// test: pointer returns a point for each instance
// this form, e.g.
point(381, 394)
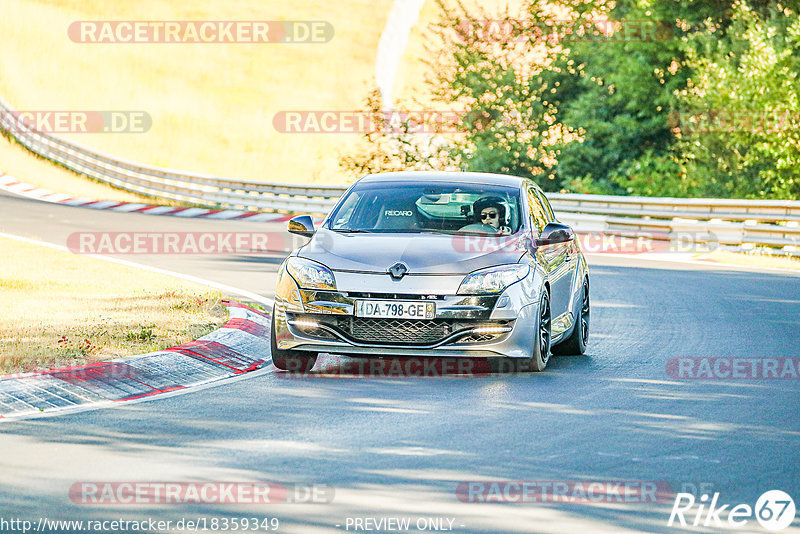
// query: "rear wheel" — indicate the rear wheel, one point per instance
point(575, 344)
point(290, 360)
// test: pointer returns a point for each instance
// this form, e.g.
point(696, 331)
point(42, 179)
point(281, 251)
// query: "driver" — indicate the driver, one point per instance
point(492, 212)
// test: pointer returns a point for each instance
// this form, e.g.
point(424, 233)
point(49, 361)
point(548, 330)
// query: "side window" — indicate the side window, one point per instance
point(551, 217)
point(346, 211)
point(538, 215)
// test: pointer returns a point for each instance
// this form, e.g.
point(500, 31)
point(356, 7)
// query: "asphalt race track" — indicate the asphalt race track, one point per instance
point(399, 447)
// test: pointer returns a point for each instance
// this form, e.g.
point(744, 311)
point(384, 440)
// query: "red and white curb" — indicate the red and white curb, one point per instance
point(12, 185)
point(240, 346)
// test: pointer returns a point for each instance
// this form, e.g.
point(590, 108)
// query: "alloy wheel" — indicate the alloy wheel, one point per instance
point(544, 327)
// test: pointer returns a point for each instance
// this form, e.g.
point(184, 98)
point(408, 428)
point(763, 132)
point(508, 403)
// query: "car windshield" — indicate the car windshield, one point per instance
point(439, 207)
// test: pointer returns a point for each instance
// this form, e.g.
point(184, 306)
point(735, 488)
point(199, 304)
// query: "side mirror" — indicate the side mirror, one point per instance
point(301, 225)
point(555, 233)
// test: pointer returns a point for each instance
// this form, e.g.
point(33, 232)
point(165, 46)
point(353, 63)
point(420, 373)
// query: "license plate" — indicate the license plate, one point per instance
point(396, 309)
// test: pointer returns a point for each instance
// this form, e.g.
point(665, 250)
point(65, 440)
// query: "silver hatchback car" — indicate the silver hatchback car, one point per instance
point(433, 264)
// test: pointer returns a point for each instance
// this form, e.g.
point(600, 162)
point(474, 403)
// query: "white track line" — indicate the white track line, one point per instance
point(222, 287)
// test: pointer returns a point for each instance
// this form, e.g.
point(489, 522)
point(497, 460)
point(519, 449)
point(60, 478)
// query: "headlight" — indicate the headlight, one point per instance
point(310, 274)
point(492, 280)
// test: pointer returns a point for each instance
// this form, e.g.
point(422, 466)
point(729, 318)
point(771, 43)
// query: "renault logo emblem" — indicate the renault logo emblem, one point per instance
point(398, 270)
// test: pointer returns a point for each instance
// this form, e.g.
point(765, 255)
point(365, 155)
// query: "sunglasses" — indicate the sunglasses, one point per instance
point(492, 215)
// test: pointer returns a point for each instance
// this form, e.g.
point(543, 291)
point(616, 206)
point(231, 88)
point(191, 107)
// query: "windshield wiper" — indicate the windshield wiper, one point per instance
point(433, 231)
point(457, 232)
point(350, 231)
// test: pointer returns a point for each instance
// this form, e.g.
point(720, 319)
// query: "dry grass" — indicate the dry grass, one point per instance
point(754, 259)
point(212, 104)
point(18, 162)
point(61, 309)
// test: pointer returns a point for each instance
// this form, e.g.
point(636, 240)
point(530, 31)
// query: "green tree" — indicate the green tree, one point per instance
point(397, 143)
point(491, 67)
point(740, 125)
point(551, 94)
point(491, 81)
point(714, 56)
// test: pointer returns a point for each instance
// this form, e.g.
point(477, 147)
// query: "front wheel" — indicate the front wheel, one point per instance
point(290, 360)
point(575, 344)
point(541, 348)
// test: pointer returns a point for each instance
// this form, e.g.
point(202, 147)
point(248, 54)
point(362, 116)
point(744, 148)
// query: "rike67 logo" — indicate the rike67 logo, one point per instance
point(774, 511)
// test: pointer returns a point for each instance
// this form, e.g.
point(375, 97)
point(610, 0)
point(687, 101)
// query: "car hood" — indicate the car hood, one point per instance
point(422, 253)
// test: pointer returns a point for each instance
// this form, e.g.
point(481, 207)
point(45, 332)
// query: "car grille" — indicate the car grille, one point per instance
point(420, 332)
point(402, 331)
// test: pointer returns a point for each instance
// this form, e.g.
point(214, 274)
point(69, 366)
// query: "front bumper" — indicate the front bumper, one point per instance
point(464, 326)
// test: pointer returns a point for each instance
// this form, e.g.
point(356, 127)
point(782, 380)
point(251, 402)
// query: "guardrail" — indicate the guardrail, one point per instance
point(745, 224)
point(159, 182)
point(741, 223)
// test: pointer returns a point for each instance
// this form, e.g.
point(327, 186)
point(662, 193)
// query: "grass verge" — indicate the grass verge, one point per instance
point(60, 309)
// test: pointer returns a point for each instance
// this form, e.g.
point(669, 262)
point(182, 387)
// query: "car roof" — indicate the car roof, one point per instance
point(446, 176)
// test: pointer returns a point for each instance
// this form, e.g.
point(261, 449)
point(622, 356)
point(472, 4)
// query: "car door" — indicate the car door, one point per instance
point(556, 261)
point(571, 264)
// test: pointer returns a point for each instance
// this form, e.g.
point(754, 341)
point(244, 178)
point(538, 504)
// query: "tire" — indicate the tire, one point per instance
point(540, 351)
point(575, 344)
point(290, 360)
